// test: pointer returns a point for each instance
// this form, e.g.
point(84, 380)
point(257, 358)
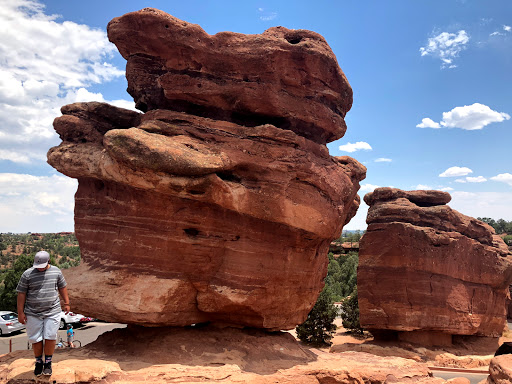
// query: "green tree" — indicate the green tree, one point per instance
point(8, 295)
point(319, 325)
point(342, 275)
point(501, 226)
point(350, 313)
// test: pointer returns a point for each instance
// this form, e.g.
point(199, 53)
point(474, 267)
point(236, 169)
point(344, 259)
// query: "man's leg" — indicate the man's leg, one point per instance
point(34, 329)
point(51, 328)
point(49, 347)
point(38, 349)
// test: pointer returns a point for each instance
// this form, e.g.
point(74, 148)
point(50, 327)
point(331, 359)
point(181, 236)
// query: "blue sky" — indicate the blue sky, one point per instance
point(432, 91)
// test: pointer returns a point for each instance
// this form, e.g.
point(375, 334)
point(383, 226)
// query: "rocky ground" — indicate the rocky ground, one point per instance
point(169, 355)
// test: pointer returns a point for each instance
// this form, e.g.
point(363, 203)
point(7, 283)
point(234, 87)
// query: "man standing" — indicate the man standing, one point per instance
point(39, 308)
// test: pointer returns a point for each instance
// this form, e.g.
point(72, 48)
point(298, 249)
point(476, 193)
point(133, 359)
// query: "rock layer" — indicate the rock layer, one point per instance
point(212, 356)
point(183, 218)
point(288, 78)
point(429, 270)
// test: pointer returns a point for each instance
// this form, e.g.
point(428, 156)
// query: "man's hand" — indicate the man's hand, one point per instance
point(22, 318)
point(65, 299)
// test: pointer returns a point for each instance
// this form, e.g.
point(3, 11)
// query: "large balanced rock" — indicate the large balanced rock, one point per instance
point(428, 271)
point(184, 216)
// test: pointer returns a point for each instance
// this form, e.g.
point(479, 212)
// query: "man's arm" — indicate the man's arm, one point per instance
point(65, 298)
point(21, 307)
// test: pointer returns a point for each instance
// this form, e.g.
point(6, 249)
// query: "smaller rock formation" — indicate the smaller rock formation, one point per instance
point(429, 272)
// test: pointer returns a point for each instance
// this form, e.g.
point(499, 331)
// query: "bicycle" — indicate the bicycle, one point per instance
point(65, 344)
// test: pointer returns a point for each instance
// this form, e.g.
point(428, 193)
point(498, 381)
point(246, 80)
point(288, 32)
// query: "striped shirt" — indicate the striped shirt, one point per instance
point(42, 292)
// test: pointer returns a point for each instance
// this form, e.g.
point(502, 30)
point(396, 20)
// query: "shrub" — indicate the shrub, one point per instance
point(319, 326)
point(350, 313)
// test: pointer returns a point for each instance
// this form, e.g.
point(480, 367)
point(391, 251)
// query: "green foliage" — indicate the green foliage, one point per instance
point(59, 245)
point(319, 326)
point(62, 247)
point(8, 294)
point(342, 275)
point(340, 281)
point(350, 236)
point(500, 226)
point(350, 313)
point(508, 239)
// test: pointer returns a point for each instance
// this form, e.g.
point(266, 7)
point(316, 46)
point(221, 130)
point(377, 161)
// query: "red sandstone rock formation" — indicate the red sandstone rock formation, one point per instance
point(288, 78)
point(219, 203)
point(209, 355)
point(429, 270)
point(500, 370)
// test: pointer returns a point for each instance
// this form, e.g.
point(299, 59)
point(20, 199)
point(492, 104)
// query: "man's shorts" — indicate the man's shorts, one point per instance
point(39, 328)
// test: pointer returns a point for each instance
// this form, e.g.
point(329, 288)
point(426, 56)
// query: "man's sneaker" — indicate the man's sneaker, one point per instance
point(47, 371)
point(38, 370)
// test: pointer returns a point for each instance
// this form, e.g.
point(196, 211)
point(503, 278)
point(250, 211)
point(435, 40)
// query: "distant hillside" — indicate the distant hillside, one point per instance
point(62, 247)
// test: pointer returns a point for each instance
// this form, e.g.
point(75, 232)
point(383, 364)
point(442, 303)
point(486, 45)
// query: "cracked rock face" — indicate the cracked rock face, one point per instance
point(425, 268)
point(192, 212)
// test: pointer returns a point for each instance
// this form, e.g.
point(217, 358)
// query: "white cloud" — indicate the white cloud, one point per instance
point(383, 160)
point(496, 33)
point(483, 204)
point(360, 145)
point(472, 117)
point(422, 187)
point(428, 123)
point(469, 179)
point(44, 64)
point(478, 179)
point(504, 178)
point(368, 187)
point(507, 28)
point(36, 203)
point(468, 117)
point(446, 46)
point(456, 171)
point(446, 189)
point(266, 15)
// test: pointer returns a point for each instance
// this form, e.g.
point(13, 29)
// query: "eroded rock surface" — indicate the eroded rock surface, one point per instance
point(185, 216)
point(500, 370)
point(428, 271)
point(170, 355)
point(288, 78)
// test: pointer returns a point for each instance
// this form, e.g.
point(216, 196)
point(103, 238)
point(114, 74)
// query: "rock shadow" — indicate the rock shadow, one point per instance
point(253, 350)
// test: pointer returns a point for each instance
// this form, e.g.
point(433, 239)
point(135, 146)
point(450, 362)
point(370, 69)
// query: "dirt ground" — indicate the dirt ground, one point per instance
point(468, 354)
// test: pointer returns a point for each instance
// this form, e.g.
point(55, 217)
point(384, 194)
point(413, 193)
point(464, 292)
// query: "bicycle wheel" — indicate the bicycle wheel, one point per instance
point(77, 343)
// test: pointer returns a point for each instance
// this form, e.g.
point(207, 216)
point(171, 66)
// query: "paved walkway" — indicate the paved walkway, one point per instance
point(86, 333)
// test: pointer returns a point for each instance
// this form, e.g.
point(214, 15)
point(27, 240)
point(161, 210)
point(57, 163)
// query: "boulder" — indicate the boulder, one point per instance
point(287, 78)
point(428, 271)
point(500, 370)
point(186, 217)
